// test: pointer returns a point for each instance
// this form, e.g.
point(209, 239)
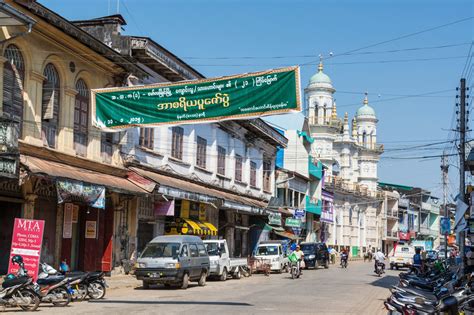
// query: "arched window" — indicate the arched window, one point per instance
point(81, 118)
point(13, 79)
point(364, 139)
point(50, 106)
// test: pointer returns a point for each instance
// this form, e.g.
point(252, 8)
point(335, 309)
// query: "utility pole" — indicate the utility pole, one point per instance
point(462, 156)
point(444, 172)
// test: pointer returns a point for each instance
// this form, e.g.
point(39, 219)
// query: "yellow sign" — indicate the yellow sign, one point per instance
point(185, 204)
point(202, 212)
point(91, 229)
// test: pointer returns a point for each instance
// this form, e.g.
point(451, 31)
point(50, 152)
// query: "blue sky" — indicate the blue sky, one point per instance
point(212, 36)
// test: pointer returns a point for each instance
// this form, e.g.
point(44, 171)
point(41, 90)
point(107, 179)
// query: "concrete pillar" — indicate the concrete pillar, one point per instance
point(59, 234)
point(28, 210)
point(245, 236)
point(66, 121)
point(32, 108)
point(229, 231)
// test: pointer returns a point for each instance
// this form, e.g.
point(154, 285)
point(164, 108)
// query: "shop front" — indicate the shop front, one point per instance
point(79, 208)
point(11, 203)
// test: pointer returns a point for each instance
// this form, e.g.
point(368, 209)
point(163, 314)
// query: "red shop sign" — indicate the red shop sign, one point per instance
point(26, 242)
point(404, 236)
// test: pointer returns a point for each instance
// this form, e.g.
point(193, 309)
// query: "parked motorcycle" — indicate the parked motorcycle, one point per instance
point(16, 291)
point(93, 284)
point(53, 288)
point(431, 292)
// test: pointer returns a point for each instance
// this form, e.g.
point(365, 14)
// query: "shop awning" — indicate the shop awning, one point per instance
point(39, 166)
point(185, 189)
point(201, 228)
point(288, 235)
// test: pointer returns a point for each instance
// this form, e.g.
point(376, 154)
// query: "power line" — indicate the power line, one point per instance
point(403, 36)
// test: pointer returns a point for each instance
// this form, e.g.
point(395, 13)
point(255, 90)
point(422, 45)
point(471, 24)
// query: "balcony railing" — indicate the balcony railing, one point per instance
point(337, 183)
point(392, 214)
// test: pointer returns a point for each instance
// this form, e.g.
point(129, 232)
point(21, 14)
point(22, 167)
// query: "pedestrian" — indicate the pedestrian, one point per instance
point(332, 255)
point(417, 259)
point(469, 260)
point(423, 260)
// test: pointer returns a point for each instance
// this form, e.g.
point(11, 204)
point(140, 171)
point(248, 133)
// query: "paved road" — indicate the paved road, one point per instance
point(355, 290)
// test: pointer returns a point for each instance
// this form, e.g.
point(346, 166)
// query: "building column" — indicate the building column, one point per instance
point(229, 231)
point(28, 210)
point(245, 236)
point(66, 122)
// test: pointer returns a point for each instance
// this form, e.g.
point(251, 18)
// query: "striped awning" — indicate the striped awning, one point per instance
point(198, 228)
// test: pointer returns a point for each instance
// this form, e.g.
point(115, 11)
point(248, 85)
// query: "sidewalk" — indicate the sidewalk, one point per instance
point(122, 281)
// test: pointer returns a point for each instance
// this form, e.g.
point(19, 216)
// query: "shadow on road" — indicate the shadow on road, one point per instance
point(385, 282)
point(170, 302)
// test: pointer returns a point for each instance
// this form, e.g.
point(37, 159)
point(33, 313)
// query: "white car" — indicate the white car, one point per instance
point(401, 256)
point(273, 252)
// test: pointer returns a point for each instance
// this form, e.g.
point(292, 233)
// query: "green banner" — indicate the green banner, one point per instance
point(234, 97)
point(290, 222)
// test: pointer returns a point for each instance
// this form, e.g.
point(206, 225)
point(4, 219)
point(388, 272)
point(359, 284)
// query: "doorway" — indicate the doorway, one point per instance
point(9, 211)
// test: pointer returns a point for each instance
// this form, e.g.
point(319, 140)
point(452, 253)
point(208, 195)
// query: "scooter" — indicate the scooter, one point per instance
point(295, 270)
point(15, 291)
point(344, 261)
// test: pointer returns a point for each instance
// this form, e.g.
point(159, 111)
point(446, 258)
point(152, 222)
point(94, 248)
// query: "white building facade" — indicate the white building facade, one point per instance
point(350, 153)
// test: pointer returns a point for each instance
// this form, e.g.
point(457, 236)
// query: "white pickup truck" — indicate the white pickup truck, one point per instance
point(221, 264)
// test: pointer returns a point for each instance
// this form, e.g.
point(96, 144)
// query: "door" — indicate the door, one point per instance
point(9, 211)
point(185, 259)
point(195, 267)
point(204, 258)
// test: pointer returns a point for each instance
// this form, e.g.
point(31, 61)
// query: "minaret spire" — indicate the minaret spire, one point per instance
point(334, 111)
point(320, 66)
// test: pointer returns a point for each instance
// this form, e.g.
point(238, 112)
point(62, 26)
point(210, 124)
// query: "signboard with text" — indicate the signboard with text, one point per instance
point(292, 222)
point(241, 96)
point(26, 241)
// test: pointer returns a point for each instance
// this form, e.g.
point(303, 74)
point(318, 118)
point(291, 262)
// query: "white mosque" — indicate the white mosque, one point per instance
point(351, 155)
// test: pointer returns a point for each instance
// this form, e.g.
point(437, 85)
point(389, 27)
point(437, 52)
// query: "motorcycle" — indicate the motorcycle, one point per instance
point(433, 293)
point(344, 261)
point(93, 284)
point(16, 291)
point(379, 268)
point(295, 270)
point(53, 288)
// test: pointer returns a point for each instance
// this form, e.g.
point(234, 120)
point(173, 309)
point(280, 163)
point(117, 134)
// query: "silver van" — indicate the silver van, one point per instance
point(173, 260)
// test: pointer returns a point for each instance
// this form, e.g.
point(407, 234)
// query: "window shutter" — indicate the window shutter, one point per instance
point(49, 95)
point(8, 86)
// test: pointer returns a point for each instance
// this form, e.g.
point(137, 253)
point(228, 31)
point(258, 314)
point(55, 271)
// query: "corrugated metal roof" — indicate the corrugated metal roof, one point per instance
point(58, 170)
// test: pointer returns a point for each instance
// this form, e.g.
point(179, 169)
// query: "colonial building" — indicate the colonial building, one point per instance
point(71, 175)
point(350, 153)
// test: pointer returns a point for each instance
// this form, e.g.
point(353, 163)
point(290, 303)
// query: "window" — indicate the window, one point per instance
point(146, 138)
point(202, 250)
point(13, 79)
point(81, 118)
point(50, 106)
point(177, 142)
point(221, 160)
point(253, 174)
point(238, 168)
point(201, 152)
point(267, 171)
point(184, 251)
point(194, 250)
point(106, 145)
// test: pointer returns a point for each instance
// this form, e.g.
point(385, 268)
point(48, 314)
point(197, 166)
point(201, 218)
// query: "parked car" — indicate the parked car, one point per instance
point(401, 256)
point(315, 254)
point(173, 260)
point(273, 252)
point(221, 263)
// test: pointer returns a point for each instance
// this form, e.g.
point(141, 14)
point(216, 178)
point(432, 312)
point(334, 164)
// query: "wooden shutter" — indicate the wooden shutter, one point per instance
point(48, 100)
